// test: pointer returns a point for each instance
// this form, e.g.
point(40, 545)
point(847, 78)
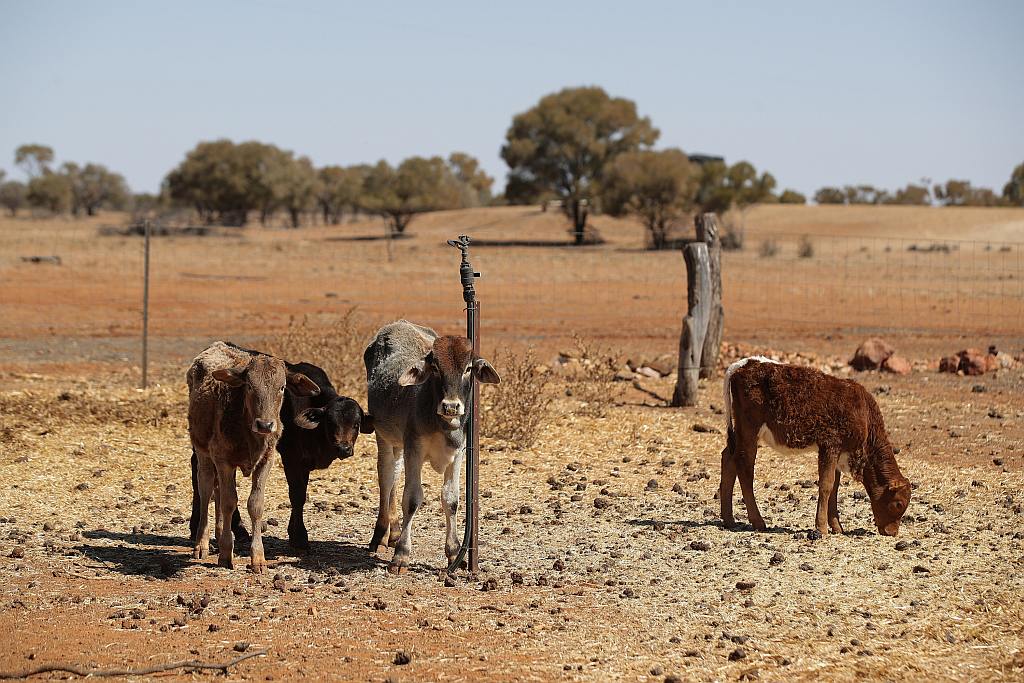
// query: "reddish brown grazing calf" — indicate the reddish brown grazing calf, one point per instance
point(234, 406)
point(795, 409)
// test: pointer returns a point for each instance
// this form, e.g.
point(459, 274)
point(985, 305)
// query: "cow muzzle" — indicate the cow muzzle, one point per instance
point(451, 408)
point(264, 426)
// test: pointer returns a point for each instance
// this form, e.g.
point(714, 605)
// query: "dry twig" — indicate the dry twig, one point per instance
point(80, 671)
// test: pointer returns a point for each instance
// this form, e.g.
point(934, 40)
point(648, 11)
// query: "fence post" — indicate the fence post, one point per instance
point(145, 311)
point(695, 324)
point(706, 225)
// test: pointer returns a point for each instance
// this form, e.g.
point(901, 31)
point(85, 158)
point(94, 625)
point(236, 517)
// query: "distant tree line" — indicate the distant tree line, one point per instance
point(950, 193)
point(227, 182)
point(70, 188)
point(588, 151)
point(593, 152)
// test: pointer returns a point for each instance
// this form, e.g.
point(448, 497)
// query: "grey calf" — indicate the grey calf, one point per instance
point(418, 386)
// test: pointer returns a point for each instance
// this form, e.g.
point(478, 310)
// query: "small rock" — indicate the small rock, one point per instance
point(776, 559)
point(82, 487)
point(897, 365)
point(737, 654)
point(652, 485)
point(745, 585)
point(489, 584)
point(813, 535)
point(17, 553)
point(921, 569)
point(656, 670)
point(241, 646)
point(700, 545)
point(704, 429)
point(805, 566)
point(601, 502)
point(402, 658)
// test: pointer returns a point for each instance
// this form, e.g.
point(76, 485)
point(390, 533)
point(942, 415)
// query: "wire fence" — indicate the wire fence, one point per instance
point(884, 283)
point(247, 284)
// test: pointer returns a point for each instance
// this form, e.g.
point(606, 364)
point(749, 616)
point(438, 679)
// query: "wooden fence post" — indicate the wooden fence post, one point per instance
point(706, 225)
point(695, 324)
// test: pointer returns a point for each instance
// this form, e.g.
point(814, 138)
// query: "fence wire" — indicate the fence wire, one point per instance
point(247, 284)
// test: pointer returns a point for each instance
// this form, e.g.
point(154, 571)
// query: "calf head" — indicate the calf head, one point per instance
point(341, 421)
point(263, 380)
point(889, 504)
point(450, 366)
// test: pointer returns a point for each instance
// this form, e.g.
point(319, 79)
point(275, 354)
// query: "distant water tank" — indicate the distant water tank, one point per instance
point(704, 158)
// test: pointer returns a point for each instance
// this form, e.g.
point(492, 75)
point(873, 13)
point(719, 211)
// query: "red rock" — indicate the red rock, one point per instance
point(871, 354)
point(897, 365)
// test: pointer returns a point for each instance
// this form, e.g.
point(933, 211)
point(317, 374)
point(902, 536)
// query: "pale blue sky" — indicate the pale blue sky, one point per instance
point(815, 92)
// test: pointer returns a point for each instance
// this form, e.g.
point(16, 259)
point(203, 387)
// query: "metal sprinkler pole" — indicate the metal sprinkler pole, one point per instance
point(469, 539)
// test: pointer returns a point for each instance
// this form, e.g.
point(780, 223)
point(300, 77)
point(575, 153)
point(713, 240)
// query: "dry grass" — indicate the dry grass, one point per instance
point(517, 409)
point(601, 538)
point(645, 580)
point(335, 343)
point(589, 372)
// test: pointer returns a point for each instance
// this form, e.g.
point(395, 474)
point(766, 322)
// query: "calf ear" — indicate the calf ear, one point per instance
point(309, 418)
point(417, 374)
point(230, 376)
point(302, 385)
point(366, 424)
point(485, 372)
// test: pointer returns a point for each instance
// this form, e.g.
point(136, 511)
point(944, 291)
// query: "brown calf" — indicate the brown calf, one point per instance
point(234, 406)
point(794, 408)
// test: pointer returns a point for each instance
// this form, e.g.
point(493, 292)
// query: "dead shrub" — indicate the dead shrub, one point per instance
point(732, 237)
point(590, 373)
point(768, 249)
point(335, 344)
point(805, 249)
point(517, 408)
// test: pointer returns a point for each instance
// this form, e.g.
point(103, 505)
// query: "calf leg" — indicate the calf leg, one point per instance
point(412, 499)
point(745, 456)
point(241, 535)
point(227, 498)
point(450, 505)
point(725, 488)
point(205, 479)
point(826, 488)
point(298, 483)
point(387, 468)
point(193, 522)
point(396, 521)
point(260, 475)
point(833, 506)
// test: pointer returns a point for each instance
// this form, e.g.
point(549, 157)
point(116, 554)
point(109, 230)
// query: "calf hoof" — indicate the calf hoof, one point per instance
point(226, 562)
point(258, 566)
point(299, 548)
point(200, 553)
point(397, 569)
point(759, 525)
point(728, 522)
point(836, 528)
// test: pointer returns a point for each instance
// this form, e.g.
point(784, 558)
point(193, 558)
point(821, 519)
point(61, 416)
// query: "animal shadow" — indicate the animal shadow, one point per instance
point(130, 559)
point(710, 523)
